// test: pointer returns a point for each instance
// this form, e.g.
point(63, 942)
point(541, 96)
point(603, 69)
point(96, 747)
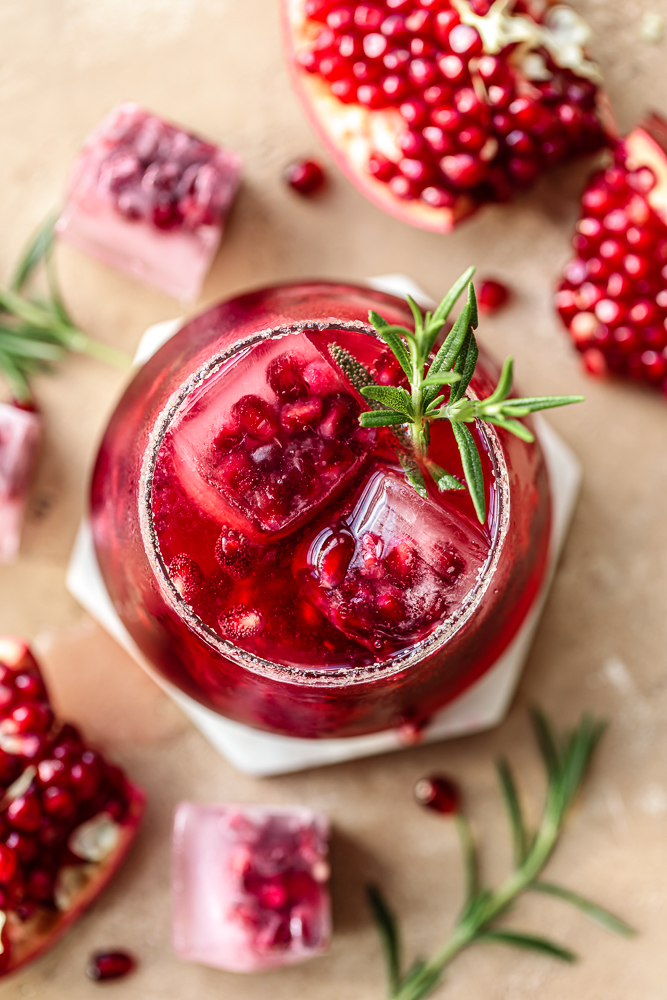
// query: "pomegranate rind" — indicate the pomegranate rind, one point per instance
point(644, 149)
point(345, 130)
point(29, 940)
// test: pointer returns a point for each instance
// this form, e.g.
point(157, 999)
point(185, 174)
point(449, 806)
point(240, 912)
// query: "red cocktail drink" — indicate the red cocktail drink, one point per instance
point(267, 553)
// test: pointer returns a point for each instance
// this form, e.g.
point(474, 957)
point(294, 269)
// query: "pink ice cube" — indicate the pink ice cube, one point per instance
point(270, 438)
point(250, 885)
point(151, 199)
point(19, 444)
point(394, 568)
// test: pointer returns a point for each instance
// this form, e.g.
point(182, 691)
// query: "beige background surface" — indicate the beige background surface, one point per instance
point(216, 65)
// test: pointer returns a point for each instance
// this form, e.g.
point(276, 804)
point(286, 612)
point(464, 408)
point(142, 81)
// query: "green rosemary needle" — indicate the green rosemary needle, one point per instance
point(566, 760)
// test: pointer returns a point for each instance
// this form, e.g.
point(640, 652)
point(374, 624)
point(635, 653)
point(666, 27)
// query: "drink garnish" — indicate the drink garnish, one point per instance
point(566, 759)
point(37, 331)
point(453, 365)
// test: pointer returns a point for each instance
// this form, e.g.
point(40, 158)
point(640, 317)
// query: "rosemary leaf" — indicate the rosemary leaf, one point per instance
point(465, 365)
point(513, 426)
point(530, 942)
point(37, 251)
point(472, 468)
point(353, 370)
point(442, 479)
point(546, 742)
point(388, 395)
point(513, 807)
point(598, 914)
point(413, 473)
point(381, 418)
point(388, 930)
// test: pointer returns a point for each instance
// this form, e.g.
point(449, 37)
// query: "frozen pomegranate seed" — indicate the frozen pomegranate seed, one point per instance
point(438, 793)
point(305, 176)
point(492, 295)
point(105, 965)
point(241, 622)
point(285, 376)
point(300, 415)
point(255, 416)
point(235, 554)
point(334, 559)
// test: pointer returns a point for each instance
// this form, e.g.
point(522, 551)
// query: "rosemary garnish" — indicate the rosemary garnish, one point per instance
point(453, 366)
point(37, 331)
point(566, 762)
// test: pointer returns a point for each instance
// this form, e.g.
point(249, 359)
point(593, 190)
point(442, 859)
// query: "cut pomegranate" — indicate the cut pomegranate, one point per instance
point(305, 177)
point(438, 793)
point(105, 965)
point(265, 462)
point(435, 111)
point(613, 295)
point(20, 435)
point(250, 886)
point(379, 580)
point(67, 817)
point(151, 199)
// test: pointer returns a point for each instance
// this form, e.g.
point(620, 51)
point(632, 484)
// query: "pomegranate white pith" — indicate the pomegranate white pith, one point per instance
point(434, 107)
point(613, 296)
point(67, 817)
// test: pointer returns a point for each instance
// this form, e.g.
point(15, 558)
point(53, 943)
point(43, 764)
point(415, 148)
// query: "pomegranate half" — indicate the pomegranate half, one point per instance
point(67, 816)
point(434, 108)
point(613, 294)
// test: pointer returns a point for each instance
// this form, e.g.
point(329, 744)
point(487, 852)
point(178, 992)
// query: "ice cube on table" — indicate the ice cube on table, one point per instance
point(20, 435)
point(250, 885)
point(394, 568)
point(269, 438)
point(150, 199)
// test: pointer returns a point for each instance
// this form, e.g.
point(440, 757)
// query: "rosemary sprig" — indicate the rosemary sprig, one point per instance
point(566, 760)
point(453, 366)
point(37, 332)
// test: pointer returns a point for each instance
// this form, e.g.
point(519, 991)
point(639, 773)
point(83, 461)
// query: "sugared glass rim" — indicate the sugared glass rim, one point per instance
point(312, 676)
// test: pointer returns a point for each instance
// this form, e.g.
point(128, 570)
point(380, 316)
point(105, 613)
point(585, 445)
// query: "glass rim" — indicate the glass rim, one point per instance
point(333, 677)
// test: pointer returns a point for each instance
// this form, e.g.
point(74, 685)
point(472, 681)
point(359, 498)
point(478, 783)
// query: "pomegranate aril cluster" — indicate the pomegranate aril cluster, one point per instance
point(613, 295)
point(250, 885)
point(471, 122)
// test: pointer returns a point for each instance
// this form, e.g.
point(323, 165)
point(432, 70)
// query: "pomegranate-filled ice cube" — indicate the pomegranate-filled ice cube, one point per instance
point(250, 885)
point(20, 436)
point(268, 552)
point(393, 568)
point(150, 198)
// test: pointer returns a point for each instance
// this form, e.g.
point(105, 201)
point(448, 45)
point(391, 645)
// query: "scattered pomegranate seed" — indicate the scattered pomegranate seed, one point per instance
point(110, 965)
point(492, 295)
point(438, 793)
point(241, 622)
point(305, 176)
point(235, 554)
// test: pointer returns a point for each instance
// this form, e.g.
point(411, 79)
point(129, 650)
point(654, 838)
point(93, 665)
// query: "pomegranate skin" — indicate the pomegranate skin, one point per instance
point(298, 701)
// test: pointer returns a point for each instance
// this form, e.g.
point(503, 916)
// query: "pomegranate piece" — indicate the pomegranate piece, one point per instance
point(438, 793)
point(105, 965)
point(613, 294)
point(250, 885)
point(67, 817)
point(20, 435)
point(305, 177)
point(264, 444)
point(392, 569)
point(492, 295)
point(435, 110)
point(151, 199)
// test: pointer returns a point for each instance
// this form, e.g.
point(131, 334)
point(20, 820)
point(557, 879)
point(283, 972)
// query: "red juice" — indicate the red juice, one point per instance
point(267, 553)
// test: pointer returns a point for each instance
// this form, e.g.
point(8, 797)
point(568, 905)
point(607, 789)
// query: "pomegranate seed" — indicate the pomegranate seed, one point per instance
point(414, 112)
point(241, 622)
point(186, 576)
point(453, 68)
point(370, 95)
point(105, 965)
point(344, 90)
point(32, 718)
point(234, 554)
point(422, 72)
point(29, 685)
point(375, 45)
point(463, 170)
point(9, 860)
point(465, 41)
point(396, 59)
point(305, 177)
point(402, 188)
point(24, 813)
point(492, 295)
point(368, 16)
point(438, 793)
point(59, 803)
point(340, 18)
point(380, 167)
